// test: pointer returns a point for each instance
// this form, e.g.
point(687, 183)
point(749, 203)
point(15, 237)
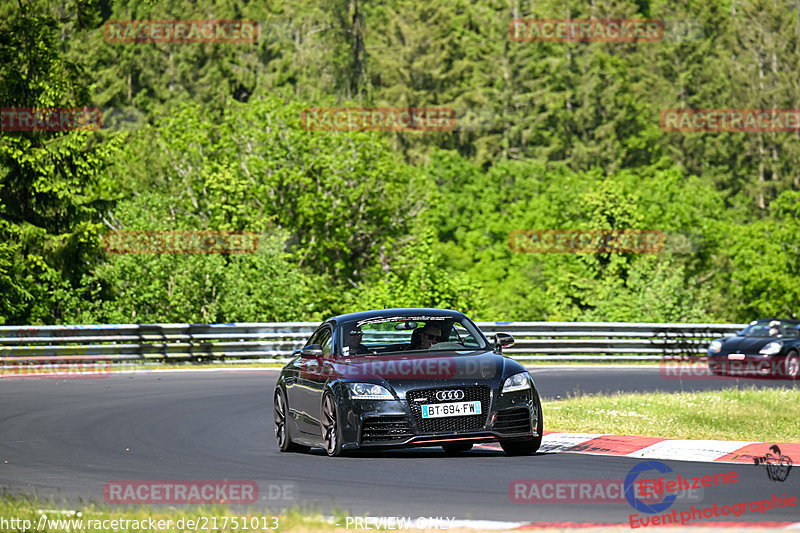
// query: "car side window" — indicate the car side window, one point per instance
point(459, 333)
point(326, 340)
point(318, 337)
point(314, 339)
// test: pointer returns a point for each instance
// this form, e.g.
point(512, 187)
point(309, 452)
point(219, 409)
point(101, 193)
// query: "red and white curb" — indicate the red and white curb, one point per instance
point(709, 526)
point(707, 451)
point(366, 523)
point(375, 522)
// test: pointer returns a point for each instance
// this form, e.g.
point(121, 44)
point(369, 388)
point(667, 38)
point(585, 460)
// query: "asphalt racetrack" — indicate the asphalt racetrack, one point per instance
point(67, 438)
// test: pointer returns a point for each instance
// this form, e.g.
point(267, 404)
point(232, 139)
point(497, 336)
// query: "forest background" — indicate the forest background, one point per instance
point(208, 136)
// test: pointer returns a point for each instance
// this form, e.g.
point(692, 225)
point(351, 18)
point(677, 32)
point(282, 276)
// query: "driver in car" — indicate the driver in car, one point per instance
point(430, 335)
point(353, 342)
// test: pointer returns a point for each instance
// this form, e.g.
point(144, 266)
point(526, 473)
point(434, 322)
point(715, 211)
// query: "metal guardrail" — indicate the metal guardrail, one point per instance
point(597, 341)
point(608, 341)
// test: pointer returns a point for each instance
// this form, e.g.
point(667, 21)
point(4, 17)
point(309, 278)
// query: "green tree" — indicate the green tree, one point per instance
point(334, 200)
point(762, 263)
point(51, 192)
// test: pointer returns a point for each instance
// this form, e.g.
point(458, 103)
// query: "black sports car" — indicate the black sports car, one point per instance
point(767, 346)
point(405, 377)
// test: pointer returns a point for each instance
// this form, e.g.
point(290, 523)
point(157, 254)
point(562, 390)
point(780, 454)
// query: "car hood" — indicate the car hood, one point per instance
point(745, 344)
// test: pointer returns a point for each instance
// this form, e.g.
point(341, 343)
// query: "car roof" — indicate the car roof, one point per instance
point(768, 320)
point(401, 311)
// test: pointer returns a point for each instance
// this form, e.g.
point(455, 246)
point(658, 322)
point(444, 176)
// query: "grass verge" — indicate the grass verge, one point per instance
point(28, 514)
point(23, 514)
point(762, 415)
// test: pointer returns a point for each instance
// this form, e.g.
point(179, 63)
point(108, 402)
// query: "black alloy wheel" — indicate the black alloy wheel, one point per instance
point(282, 437)
point(331, 434)
point(792, 365)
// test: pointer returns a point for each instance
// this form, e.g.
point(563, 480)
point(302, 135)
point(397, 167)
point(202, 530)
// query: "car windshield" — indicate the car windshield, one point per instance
point(762, 329)
point(392, 334)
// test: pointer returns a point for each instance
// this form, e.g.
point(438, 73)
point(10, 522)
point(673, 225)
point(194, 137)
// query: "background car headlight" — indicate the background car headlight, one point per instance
point(517, 382)
point(715, 347)
point(368, 391)
point(771, 348)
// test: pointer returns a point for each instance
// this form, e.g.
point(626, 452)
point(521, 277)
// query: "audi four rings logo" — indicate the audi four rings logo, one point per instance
point(443, 395)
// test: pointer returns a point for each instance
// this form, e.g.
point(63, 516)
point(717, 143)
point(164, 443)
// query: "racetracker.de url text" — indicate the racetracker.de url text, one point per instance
point(149, 524)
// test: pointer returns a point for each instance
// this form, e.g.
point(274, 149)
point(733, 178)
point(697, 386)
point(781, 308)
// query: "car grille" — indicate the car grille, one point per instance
point(513, 421)
point(385, 429)
point(449, 424)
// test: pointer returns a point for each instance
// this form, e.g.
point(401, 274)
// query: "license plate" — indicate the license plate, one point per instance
point(736, 356)
point(451, 409)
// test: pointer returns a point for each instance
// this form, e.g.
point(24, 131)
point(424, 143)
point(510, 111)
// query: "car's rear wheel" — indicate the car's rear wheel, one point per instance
point(454, 448)
point(528, 446)
point(791, 365)
point(331, 433)
point(282, 436)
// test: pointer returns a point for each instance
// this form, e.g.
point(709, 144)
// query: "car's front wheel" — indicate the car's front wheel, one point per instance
point(528, 446)
point(331, 433)
point(791, 365)
point(282, 436)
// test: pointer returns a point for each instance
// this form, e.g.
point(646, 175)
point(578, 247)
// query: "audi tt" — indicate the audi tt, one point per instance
point(405, 377)
point(767, 347)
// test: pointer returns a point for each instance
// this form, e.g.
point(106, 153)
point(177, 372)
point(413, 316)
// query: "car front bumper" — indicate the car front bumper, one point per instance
point(398, 423)
point(748, 364)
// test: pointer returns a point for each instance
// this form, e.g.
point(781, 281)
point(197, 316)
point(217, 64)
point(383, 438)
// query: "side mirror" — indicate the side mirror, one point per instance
point(502, 340)
point(312, 351)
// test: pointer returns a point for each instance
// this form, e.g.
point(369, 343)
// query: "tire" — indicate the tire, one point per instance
point(791, 365)
point(529, 446)
point(282, 437)
point(454, 448)
point(331, 432)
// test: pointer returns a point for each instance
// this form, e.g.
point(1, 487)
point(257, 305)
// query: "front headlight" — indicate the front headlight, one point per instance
point(519, 381)
point(715, 347)
point(771, 348)
point(368, 391)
